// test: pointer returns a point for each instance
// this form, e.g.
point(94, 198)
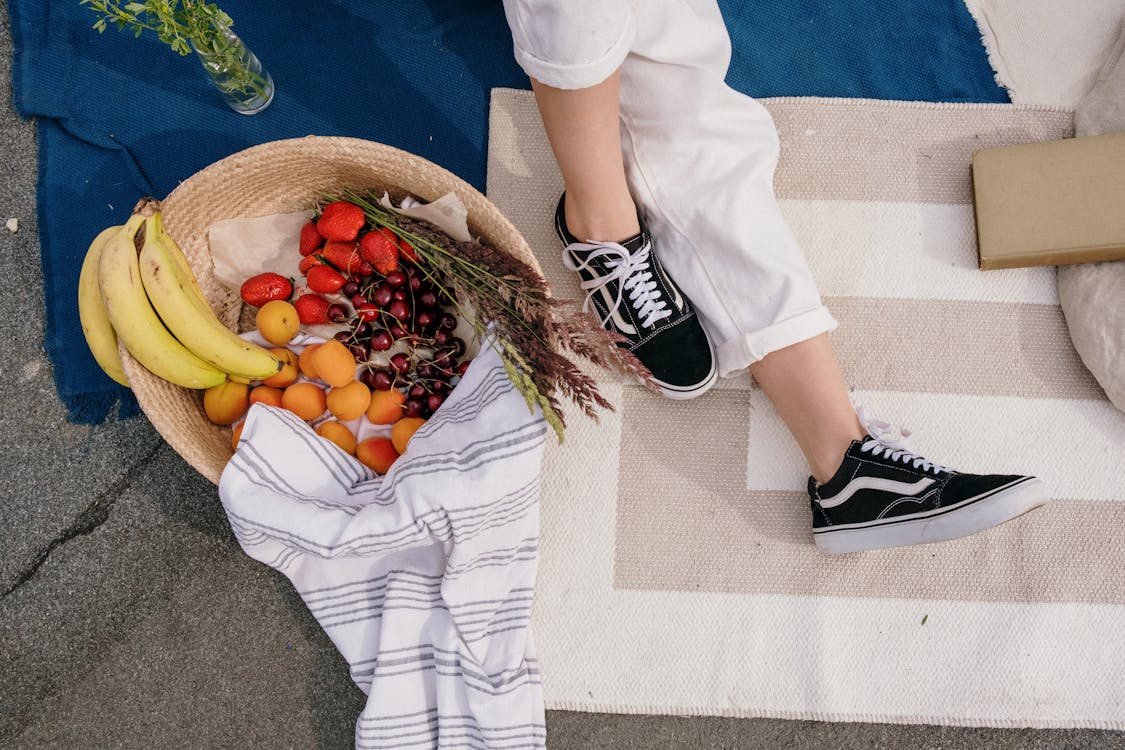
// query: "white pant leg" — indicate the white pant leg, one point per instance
point(699, 158)
point(571, 44)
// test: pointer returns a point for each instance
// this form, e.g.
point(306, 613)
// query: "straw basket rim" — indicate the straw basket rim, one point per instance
point(277, 177)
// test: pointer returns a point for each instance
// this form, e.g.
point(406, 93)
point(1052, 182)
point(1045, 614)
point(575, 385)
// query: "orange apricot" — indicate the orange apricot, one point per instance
point(350, 401)
point(236, 435)
point(265, 394)
point(278, 322)
point(306, 400)
point(339, 434)
point(386, 406)
point(334, 364)
point(226, 402)
point(287, 375)
point(403, 430)
point(377, 454)
point(304, 361)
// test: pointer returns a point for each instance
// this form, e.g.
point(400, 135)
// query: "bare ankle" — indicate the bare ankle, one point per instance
point(612, 220)
point(826, 462)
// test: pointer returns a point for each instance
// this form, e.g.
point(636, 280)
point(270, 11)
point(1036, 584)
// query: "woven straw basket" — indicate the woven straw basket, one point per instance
point(281, 177)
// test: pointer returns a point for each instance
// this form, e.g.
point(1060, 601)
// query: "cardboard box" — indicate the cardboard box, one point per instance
point(1046, 204)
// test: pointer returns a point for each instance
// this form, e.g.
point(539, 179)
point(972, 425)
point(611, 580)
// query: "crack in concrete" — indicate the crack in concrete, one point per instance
point(93, 516)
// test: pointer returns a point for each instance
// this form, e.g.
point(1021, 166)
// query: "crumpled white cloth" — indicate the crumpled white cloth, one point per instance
point(422, 578)
point(1046, 51)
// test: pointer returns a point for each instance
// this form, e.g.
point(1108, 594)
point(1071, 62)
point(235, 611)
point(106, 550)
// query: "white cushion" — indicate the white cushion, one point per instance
point(1093, 294)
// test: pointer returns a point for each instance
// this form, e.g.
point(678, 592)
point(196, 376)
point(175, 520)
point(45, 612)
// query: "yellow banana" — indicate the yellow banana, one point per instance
point(177, 255)
point(99, 333)
point(177, 298)
point(132, 316)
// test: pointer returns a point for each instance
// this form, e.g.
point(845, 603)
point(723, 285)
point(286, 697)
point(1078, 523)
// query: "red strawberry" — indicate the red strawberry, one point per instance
point(312, 309)
point(407, 250)
point(265, 287)
point(340, 221)
point(325, 279)
point(346, 257)
point(310, 238)
point(380, 249)
point(316, 259)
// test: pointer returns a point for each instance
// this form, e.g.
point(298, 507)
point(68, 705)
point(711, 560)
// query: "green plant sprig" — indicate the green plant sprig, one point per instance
point(184, 25)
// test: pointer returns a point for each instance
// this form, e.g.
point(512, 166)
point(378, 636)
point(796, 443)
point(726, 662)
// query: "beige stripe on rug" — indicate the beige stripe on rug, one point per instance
point(678, 573)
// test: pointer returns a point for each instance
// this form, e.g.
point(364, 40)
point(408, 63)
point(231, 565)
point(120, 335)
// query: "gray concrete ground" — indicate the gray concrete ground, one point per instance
point(129, 618)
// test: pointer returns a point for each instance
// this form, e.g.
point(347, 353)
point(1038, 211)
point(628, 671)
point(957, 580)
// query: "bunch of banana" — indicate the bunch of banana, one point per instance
point(92, 313)
point(137, 286)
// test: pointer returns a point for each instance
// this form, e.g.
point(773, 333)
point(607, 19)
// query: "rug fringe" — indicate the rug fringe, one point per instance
point(988, 39)
point(93, 408)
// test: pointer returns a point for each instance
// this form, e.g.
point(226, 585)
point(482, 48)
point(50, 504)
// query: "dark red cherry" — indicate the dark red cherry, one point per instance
point(400, 363)
point(381, 341)
point(382, 295)
point(396, 279)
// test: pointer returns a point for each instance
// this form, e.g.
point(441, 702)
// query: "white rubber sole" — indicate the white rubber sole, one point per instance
point(970, 516)
point(683, 393)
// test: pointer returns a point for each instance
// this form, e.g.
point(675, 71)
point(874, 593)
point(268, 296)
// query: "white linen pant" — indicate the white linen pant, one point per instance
point(699, 158)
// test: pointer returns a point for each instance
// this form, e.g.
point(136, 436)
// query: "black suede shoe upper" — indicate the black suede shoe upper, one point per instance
point(874, 486)
point(675, 348)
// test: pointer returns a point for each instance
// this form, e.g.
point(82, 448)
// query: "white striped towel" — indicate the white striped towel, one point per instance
point(422, 578)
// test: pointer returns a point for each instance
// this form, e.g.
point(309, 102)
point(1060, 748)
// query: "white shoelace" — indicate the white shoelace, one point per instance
point(892, 443)
point(634, 272)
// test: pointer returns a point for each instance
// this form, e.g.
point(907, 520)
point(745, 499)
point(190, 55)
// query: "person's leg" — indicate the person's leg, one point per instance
point(608, 246)
point(805, 385)
point(802, 380)
point(572, 52)
point(598, 203)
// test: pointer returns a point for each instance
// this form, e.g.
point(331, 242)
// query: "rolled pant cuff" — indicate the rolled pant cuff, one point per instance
point(736, 354)
point(579, 75)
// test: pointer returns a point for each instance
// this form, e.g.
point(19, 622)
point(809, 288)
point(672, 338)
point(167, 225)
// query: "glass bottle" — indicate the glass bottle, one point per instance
point(235, 71)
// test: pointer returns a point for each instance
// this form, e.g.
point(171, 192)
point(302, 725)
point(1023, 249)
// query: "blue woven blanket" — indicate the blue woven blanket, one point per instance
point(121, 117)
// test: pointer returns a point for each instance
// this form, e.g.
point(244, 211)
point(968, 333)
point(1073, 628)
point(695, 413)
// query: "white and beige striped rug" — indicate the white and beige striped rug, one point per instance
point(677, 569)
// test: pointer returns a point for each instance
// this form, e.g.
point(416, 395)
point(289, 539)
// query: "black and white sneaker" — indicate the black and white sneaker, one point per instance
point(633, 296)
point(886, 496)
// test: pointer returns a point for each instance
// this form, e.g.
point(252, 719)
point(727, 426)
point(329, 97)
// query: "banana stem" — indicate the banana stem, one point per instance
point(147, 207)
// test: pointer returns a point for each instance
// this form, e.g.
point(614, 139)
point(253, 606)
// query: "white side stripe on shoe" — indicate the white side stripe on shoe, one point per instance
point(677, 298)
point(613, 306)
point(874, 483)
